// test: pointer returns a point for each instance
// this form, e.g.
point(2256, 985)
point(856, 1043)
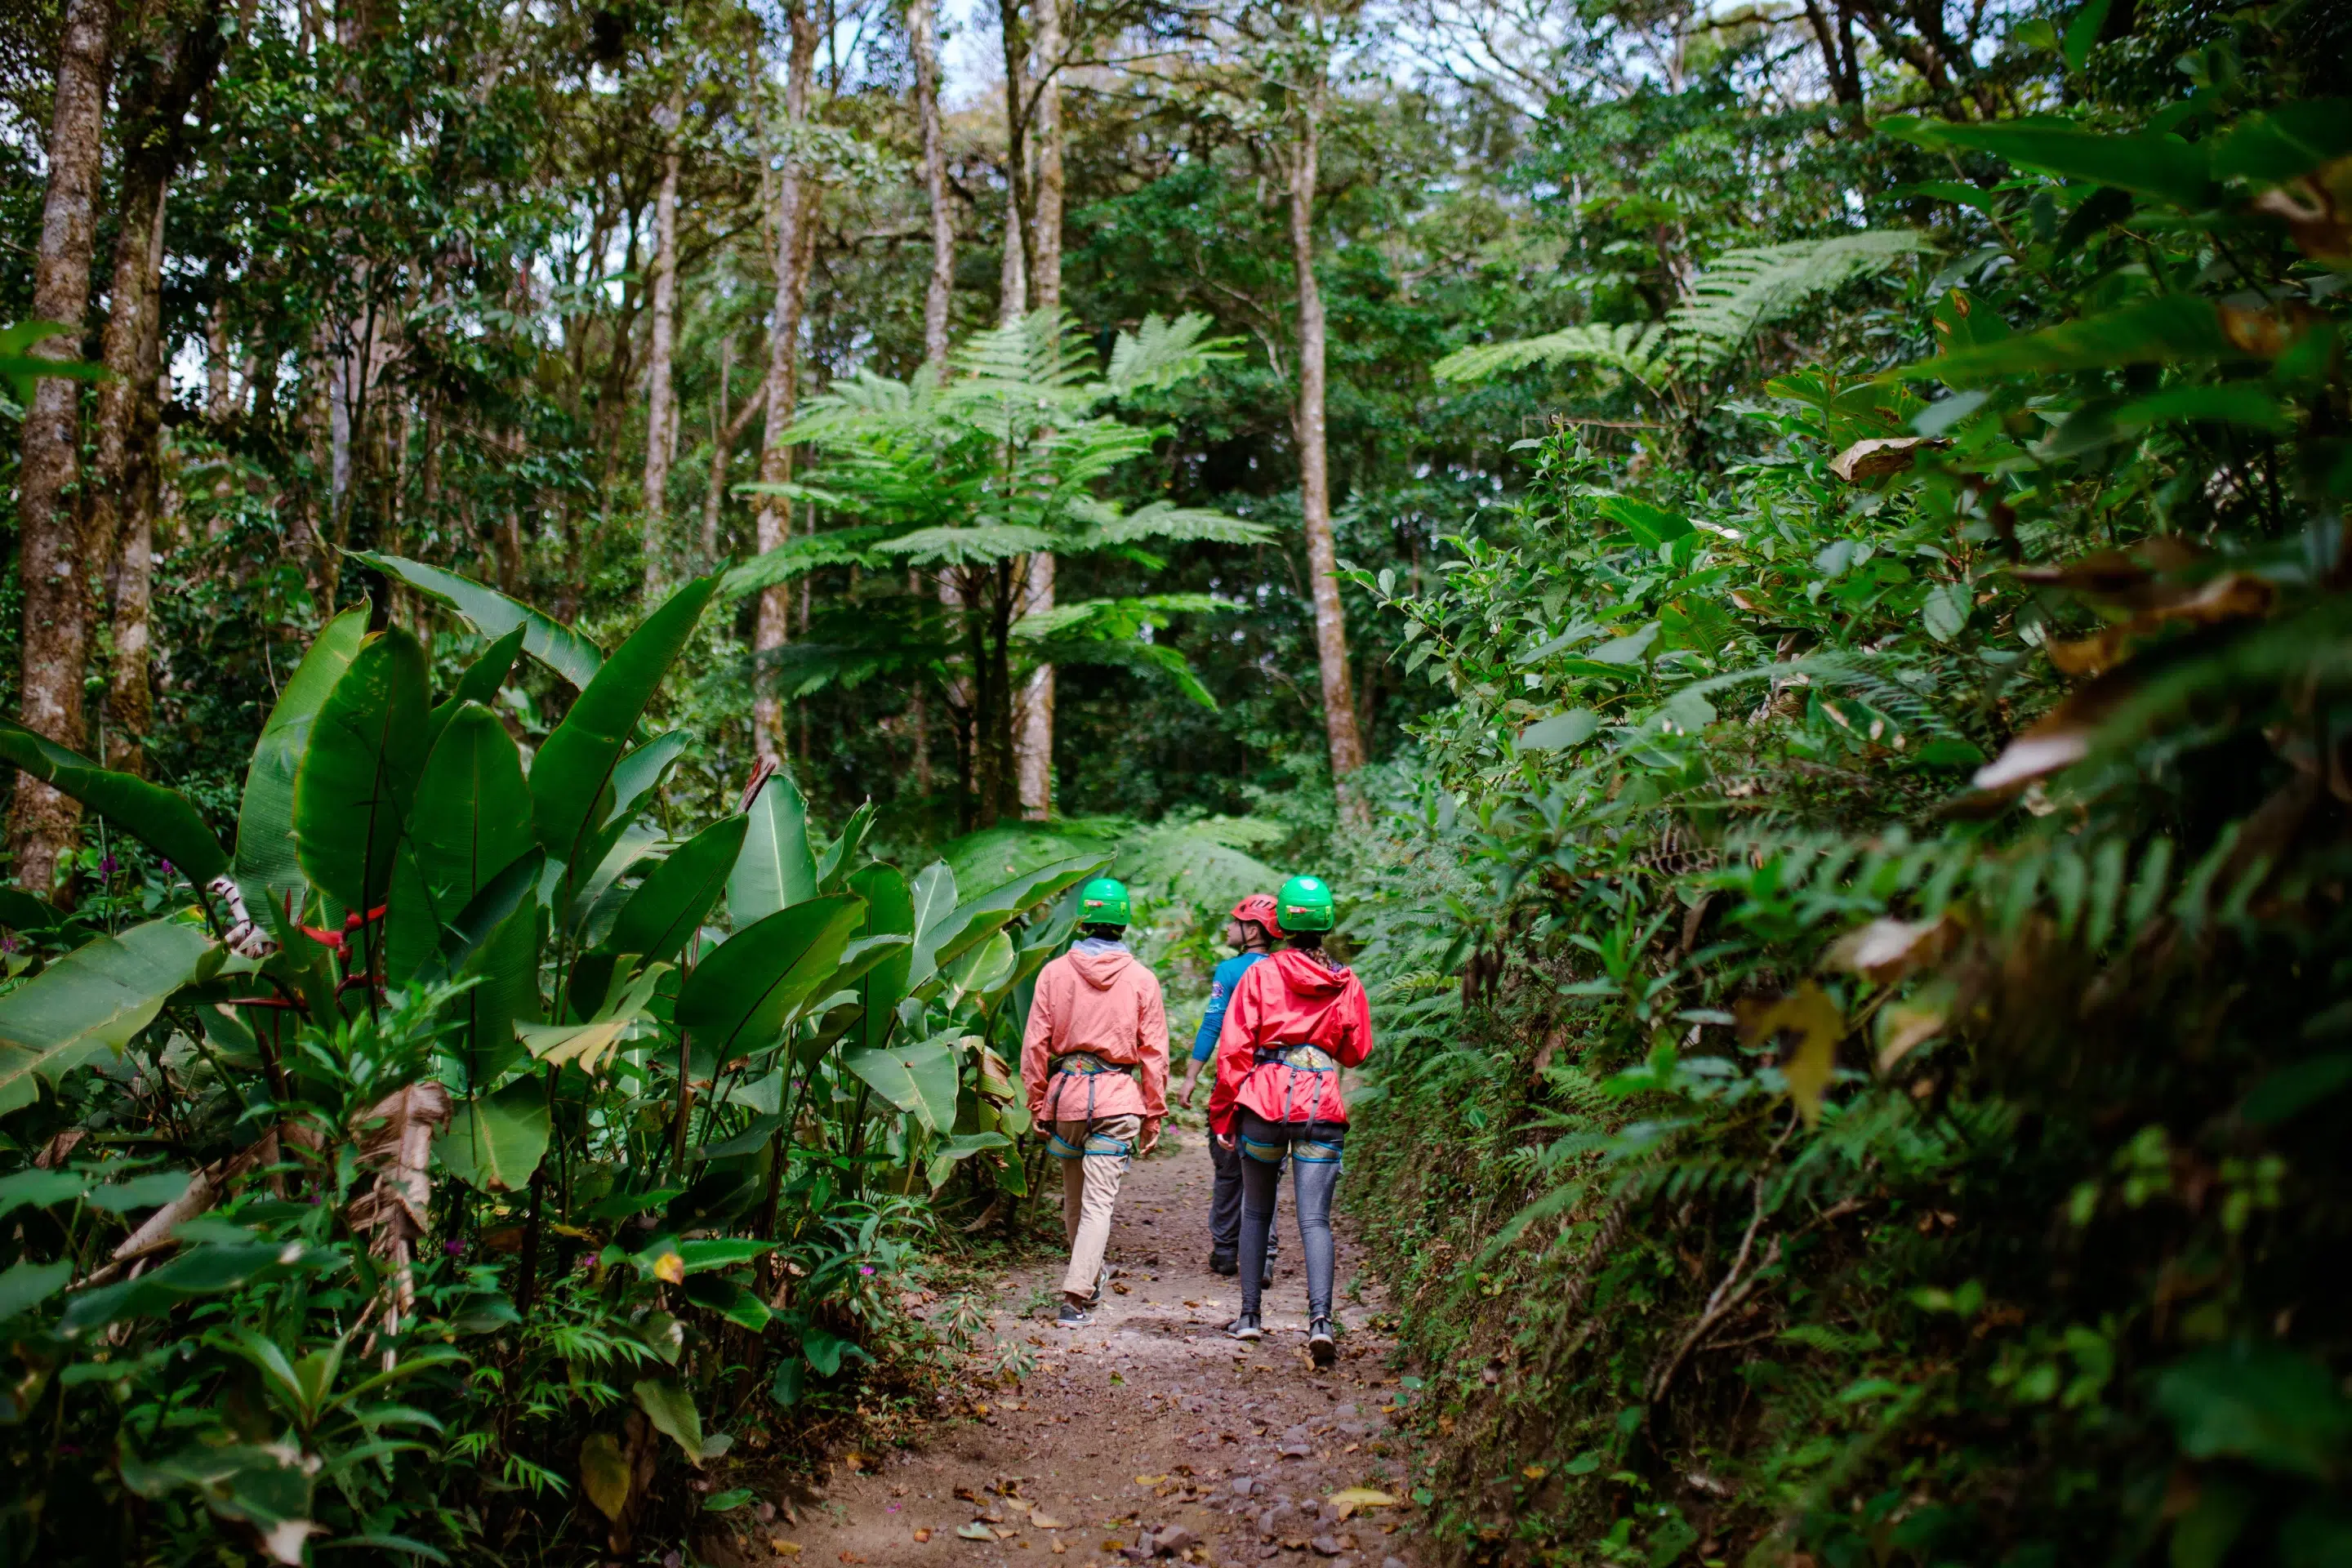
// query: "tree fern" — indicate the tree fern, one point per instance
point(1740, 292)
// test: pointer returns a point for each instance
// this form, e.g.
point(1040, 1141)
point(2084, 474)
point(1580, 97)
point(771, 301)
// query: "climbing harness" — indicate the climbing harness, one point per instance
point(1299, 1058)
point(1098, 1145)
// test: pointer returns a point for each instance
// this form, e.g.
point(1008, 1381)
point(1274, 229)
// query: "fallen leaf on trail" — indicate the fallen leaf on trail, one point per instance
point(1535, 1472)
point(1041, 1520)
point(1148, 1480)
point(851, 1557)
point(976, 1531)
point(1907, 1025)
point(1357, 1498)
point(967, 1494)
point(1122, 1289)
point(783, 1548)
point(921, 1536)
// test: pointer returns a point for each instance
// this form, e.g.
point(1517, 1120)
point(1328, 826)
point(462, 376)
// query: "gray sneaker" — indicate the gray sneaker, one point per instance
point(1245, 1327)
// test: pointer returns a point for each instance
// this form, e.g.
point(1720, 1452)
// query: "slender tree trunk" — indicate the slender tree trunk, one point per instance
point(729, 431)
point(217, 401)
point(770, 626)
point(657, 374)
point(130, 696)
point(923, 35)
point(1033, 745)
point(1314, 466)
point(1013, 276)
point(122, 347)
point(51, 562)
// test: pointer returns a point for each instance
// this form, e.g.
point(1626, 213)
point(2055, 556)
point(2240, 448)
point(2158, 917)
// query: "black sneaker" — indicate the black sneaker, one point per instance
point(1320, 1344)
point(1074, 1315)
point(1246, 1328)
point(1224, 1263)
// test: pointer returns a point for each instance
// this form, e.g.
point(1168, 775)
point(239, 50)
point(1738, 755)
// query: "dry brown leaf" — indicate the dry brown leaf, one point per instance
point(1887, 950)
point(1808, 1014)
point(2317, 209)
point(1904, 1027)
point(1880, 456)
point(1041, 1520)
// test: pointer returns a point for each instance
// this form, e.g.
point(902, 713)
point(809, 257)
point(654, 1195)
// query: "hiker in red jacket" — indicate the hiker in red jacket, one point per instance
point(1293, 1022)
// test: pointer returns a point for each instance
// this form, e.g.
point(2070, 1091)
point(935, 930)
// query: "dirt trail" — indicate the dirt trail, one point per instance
point(1146, 1422)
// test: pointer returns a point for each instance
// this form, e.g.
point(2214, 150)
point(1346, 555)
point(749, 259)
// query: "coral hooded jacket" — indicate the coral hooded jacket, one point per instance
point(1105, 1004)
point(1294, 998)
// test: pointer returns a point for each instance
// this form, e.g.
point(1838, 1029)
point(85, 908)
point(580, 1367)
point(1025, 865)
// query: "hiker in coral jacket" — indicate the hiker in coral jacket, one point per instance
point(1293, 1022)
point(1250, 932)
point(1095, 1064)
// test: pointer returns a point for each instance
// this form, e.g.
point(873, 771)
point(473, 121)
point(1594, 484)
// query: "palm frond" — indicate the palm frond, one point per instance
point(1120, 654)
point(1098, 619)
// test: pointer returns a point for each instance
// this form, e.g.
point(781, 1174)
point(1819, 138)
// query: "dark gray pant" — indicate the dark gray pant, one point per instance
point(1312, 1150)
point(1226, 1203)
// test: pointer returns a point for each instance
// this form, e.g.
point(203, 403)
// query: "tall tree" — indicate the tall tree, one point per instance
point(660, 437)
point(1308, 95)
point(1033, 746)
point(923, 39)
point(794, 221)
point(51, 560)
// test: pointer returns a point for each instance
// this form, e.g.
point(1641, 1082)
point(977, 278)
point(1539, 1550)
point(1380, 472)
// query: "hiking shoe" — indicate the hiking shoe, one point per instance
point(1246, 1328)
point(1101, 1279)
point(1073, 1316)
point(1320, 1344)
point(1224, 1263)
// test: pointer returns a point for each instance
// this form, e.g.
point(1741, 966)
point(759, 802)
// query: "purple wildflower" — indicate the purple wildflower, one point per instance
point(866, 1269)
point(166, 865)
point(106, 865)
point(454, 1246)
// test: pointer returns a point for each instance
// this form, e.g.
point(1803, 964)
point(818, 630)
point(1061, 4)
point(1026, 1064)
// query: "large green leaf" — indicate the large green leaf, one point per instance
point(740, 997)
point(2164, 331)
point(159, 817)
point(2155, 164)
point(919, 1079)
point(975, 922)
point(934, 898)
point(359, 774)
point(775, 868)
point(493, 1144)
point(890, 907)
point(94, 999)
point(494, 614)
point(495, 941)
point(635, 777)
point(961, 1146)
point(674, 899)
point(482, 681)
point(840, 856)
point(472, 818)
point(572, 770)
point(267, 867)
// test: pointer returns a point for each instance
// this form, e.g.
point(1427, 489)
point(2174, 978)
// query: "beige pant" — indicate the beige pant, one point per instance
point(1090, 1189)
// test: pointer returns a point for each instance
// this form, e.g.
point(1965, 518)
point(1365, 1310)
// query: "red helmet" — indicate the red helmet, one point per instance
point(1259, 907)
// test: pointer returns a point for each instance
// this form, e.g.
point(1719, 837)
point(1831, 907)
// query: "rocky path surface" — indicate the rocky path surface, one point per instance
point(1147, 1434)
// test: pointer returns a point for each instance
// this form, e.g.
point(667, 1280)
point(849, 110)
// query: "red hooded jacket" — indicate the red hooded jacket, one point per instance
point(1295, 998)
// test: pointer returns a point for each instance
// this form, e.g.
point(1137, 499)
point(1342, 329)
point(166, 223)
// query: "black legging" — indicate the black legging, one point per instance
point(1316, 1172)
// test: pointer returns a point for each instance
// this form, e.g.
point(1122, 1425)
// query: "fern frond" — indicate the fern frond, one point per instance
point(1159, 353)
point(1162, 520)
point(988, 542)
point(1742, 290)
point(1637, 349)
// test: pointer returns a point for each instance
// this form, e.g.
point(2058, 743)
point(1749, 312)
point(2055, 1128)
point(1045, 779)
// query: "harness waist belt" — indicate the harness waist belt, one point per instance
point(1299, 1057)
point(1085, 1064)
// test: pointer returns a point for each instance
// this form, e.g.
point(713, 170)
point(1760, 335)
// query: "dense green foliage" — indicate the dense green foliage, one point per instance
point(1887, 1110)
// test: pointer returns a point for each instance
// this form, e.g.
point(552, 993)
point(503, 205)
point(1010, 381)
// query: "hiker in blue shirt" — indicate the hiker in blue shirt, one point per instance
point(1251, 931)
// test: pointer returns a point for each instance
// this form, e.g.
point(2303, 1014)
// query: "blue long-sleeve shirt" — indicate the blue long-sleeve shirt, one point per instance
point(1221, 991)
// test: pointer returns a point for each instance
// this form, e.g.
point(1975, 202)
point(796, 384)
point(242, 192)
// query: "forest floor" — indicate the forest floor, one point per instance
point(1146, 1432)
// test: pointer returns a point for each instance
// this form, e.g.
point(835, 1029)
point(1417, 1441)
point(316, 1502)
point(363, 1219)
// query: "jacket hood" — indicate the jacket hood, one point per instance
point(1100, 969)
point(1309, 975)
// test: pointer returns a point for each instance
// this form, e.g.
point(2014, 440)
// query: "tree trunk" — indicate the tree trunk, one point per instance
point(770, 626)
point(1033, 745)
point(923, 36)
point(1013, 280)
point(1314, 468)
point(122, 347)
point(129, 696)
point(730, 430)
point(51, 561)
point(657, 374)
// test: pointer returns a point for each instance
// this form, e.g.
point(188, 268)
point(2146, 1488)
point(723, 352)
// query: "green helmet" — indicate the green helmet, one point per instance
point(1306, 905)
point(1103, 902)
